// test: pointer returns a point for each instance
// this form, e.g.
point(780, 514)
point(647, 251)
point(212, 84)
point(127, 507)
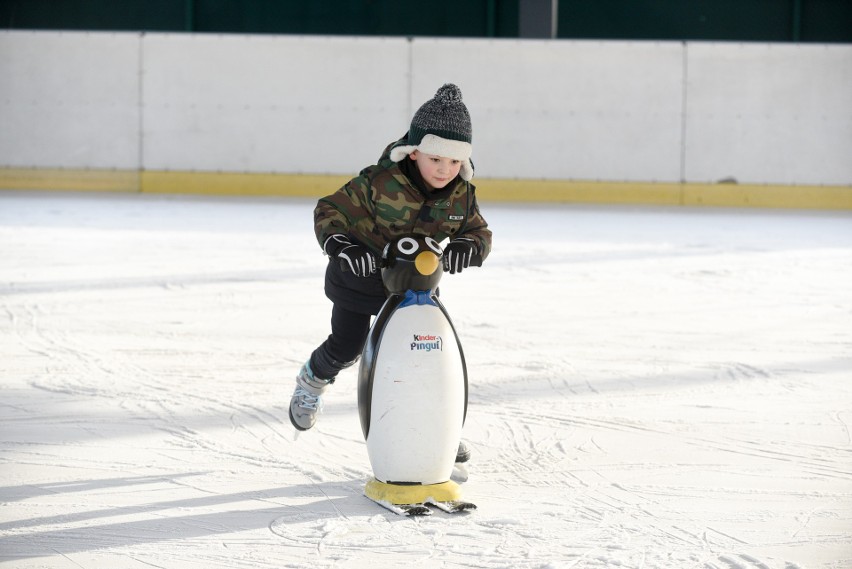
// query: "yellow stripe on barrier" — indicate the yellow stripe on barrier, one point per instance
point(770, 196)
point(571, 191)
point(488, 190)
point(691, 194)
point(61, 179)
point(236, 184)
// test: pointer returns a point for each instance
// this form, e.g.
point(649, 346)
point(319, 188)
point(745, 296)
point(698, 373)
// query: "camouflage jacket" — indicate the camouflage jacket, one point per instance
point(387, 201)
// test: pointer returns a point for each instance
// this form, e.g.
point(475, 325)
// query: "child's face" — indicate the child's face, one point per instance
point(437, 171)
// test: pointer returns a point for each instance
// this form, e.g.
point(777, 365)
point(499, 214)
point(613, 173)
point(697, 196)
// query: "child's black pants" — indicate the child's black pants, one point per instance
point(343, 346)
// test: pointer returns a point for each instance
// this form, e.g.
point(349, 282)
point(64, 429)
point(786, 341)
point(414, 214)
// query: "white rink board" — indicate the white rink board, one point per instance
point(564, 109)
point(272, 103)
point(69, 100)
point(769, 113)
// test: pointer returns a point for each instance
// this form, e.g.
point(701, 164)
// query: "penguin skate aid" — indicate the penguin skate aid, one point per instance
point(413, 385)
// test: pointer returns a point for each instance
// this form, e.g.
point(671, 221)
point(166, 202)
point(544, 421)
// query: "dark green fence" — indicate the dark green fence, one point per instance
point(733, 20)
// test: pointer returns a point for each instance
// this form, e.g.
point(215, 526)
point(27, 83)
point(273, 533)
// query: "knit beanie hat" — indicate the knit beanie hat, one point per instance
point(441, 126)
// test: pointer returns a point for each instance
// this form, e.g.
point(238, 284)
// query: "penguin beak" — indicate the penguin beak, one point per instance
point(426, 263)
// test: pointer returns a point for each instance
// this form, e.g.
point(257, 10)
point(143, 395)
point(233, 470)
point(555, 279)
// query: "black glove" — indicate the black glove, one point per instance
point(355, 258)
point(457, 254)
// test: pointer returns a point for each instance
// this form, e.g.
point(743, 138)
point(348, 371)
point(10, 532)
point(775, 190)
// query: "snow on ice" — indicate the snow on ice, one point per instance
point(650, 388)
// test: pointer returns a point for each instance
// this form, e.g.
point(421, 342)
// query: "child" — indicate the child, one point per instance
point(421, 185)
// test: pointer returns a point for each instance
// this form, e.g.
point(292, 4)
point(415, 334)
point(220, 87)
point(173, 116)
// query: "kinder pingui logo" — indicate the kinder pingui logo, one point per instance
point(427, 342)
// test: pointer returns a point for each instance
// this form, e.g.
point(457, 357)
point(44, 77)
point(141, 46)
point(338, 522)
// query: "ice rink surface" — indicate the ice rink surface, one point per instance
point(650, 388)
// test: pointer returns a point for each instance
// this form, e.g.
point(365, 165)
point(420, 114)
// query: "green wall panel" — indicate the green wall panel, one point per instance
point(756, 20)
point(470, 18)
point(720, 20)
point(826, 21)
point(153, 15)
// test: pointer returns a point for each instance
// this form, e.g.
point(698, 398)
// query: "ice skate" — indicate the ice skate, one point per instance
point(463, 454)
point(307, 398)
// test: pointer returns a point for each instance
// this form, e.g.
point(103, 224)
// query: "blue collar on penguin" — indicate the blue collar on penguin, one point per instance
point(418, 297)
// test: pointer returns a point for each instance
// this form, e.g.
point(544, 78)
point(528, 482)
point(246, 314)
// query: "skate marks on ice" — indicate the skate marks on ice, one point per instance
point(674, 410)
point(330, 525)
point(135, 516)
point(560, 537)
point(744, 562)
point(706, 487)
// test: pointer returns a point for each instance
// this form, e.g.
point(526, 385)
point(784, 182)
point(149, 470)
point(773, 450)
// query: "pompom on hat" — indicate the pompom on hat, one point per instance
point(441, 126)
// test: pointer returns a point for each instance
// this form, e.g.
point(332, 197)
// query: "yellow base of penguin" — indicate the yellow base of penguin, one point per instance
point(447, 491)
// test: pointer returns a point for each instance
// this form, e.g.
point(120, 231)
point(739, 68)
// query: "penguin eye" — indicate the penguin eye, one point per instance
point(434, 245)
point(407, 245)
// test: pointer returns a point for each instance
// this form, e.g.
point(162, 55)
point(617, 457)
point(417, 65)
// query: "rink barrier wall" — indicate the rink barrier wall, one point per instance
point(658, 121)
point(488, 189)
